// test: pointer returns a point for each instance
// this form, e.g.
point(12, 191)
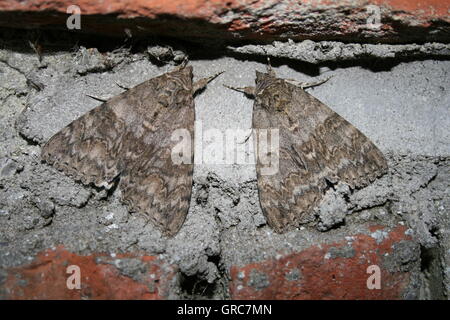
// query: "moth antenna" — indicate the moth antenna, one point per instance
point(200, 84)
point(36, 48)
point(247, 137)
point(96, 98)
point(305, 85)
point(211, 78)
point(122, 86)
point(248, 91)
point(270, 71)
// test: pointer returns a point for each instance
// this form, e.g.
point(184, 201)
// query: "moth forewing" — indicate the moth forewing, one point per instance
point(316, 147)
point(132, 136)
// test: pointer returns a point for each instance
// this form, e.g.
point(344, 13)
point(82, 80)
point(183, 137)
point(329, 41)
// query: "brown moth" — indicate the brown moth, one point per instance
point(131, 136)
point(317, 149)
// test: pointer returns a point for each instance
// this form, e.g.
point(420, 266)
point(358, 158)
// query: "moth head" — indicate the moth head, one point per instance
point(263, 80)
point(187, 72)
point(175, 88)
point(272, 93)
point(183, 75)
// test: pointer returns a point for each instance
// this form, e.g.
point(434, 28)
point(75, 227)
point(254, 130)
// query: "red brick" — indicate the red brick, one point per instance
point(45, 278)
point(403, 20)
point(322, 278)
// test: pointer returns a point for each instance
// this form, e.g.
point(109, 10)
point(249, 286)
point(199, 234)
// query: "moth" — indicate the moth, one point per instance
point(129, 139)
point(317, 149)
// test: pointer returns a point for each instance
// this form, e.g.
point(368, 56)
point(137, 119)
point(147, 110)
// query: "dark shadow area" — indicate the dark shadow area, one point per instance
point(44, 42)
point(313, 70)
point(430, 267)
point(193, 287)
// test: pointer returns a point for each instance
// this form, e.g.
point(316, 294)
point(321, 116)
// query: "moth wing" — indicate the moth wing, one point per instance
point(158, 183)
point(157, 180)
point(90, 148)
point(130, 135)
point(317, 149)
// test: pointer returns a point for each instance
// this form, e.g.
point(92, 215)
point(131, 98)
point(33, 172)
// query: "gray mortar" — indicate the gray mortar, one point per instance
point(405, 111)
point(323, 51)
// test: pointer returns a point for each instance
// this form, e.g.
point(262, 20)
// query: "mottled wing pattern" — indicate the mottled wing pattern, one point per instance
point(130, 136)
point(317, 149)
point(153, 183)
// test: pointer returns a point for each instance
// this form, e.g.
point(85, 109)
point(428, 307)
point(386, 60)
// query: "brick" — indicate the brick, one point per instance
point(124, 276)
point(330, 270)
point(402, 20)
